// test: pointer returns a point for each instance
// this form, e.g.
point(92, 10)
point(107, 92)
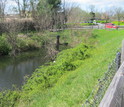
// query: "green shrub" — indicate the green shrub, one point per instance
point(27, 44)
point(4, 46)
point(9, 98)
point(47, 76)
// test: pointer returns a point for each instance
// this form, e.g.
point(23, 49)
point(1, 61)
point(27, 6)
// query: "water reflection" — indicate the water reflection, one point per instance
point(13, 70)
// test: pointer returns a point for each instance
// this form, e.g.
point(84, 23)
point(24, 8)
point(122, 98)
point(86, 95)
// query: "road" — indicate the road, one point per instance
point(98, 26)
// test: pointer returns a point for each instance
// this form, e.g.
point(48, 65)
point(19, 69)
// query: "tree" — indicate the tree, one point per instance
point(18, 7)
point(33, 7)
point(92, 12)
point(76, 15)
point(71, 12)
point(48, 14)
point(105, 16)
point(55, 10)
point(92, 8)
point(118, 12)
point(12, 29)
point(2, 8)
point(22, 7)
point(55, 4)
point(42, 16)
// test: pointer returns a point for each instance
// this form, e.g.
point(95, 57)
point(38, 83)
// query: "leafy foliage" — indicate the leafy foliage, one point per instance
point(55, 3)
point(4, 46)
point(47, 76)
point(8, 98)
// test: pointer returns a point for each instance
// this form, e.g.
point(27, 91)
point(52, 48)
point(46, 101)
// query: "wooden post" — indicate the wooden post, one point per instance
point(122, 101)
point(122, 52)
point(118, 60)
point(57, 42)
point(113, 96)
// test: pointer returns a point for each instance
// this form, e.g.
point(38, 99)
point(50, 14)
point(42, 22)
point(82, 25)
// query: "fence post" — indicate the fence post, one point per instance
point(122, 52)
point(57, 42)
point(118, 60)
point(114, 94)
point(122, 101)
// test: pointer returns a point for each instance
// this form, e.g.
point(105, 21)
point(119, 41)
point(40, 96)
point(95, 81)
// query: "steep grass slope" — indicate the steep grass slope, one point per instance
point(74, 87)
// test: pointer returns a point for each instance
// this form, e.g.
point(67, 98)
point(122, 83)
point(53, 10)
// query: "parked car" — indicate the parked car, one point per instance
point(110, 25)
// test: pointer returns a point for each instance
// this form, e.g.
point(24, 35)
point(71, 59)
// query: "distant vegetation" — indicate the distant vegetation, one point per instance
point(71, 25)
point(102, 21)
point(118, 23)
point(24, 43)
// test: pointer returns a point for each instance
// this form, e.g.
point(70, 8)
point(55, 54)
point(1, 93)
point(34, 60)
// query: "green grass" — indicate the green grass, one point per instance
point(120, 23)
point(69, 83)
point(102, 21)
point(86, 24)
point(73, 88)
point(79, 24)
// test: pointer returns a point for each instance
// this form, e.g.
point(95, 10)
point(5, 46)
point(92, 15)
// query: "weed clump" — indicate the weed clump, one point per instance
point(46, 76)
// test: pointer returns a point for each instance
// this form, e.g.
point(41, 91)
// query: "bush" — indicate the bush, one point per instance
point(28, 44)
point(47, 76)
point(8, 98)
point(4, 46)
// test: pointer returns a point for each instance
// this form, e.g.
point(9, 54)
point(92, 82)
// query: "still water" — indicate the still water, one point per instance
point(14, 70)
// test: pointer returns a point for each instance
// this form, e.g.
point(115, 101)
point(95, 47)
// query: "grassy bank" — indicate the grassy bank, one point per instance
point(36, 40)
point(70, 80)
point(102, 21)
point(118, 23)
point(23, 43)
point(73, 88)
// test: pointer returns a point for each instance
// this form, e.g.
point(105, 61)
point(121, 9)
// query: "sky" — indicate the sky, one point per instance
point(99, 4)
point(84, 4)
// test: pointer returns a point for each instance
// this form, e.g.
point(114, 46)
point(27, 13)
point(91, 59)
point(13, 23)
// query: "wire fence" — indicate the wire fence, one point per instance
point(97, 94)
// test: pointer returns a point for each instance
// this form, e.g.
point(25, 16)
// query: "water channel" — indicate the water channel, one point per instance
point(14, 70)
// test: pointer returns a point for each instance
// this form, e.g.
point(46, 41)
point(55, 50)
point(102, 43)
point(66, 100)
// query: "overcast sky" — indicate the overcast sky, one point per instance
point(84, 4)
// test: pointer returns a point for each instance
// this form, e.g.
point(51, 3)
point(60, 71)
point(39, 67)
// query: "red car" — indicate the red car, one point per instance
point(110, 25)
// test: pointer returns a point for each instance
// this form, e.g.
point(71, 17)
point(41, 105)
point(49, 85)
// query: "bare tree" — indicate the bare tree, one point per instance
point(105, 16)
point(123, 15)
point(2, 8)
point(43, 19)
point(18, 7)
point(108, 14)
point(33, 7)
point(118, 13)
point(71, 12)
point(12, 29)
point(76, 15)
point(92, 8)
point(92, 12)
point(23, 7)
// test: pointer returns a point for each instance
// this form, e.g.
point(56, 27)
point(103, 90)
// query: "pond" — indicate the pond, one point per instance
point(14, 70)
